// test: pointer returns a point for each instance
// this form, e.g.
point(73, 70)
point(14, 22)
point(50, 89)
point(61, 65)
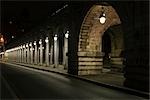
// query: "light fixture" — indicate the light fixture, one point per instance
point(40, 42)
point(67, 34)
point(10, 22)
point(30, 44)
point(12, 37)
point(23, 46)
point(27, 45)
point(2, 39)
point(46, 40)
point(34, 43)
point(102, 17)
point(55, 38)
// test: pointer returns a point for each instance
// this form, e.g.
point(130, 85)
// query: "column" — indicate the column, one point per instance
point(27, 48)
point(38, 55)
point(20, 54)
point(31, 53)
point(56, 50)
point(17, 54)
point(41, 52)
point(24, 53)
point(65, 51)
point(18, 51)
point(35, 53)
point(51, 55)
point(47, 51)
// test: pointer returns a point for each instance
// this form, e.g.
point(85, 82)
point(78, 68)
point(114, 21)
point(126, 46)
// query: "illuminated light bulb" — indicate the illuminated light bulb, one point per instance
point(46, 40)
point(102, 19)
point(55, 38)
point(67, 34)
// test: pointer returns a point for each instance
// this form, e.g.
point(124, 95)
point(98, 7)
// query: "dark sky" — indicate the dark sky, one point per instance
point(25, 15)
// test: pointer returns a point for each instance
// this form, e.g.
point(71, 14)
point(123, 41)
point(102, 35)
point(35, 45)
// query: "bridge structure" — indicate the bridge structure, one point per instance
point(90, 38)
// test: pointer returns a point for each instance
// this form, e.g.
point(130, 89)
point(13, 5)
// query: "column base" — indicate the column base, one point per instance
point(90, 63)
point(117, 64)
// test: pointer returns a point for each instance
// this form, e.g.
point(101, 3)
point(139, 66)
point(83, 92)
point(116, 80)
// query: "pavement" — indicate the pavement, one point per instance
point(115, 79)
point(110, 80)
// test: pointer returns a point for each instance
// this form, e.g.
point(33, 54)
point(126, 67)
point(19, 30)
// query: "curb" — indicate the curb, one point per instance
point(123, 89)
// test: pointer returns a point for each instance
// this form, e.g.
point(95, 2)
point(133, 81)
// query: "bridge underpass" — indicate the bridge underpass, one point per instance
point(82, 52)
point(92, 59)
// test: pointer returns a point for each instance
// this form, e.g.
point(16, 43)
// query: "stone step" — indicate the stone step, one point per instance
point(83, 37)
point(84, 34)
point(89, 67)
point(82, 40)
point(90, 59)
point(116, 59)
point(90, 63)
point(85, 28)
point(90, 72)
point(84, 31)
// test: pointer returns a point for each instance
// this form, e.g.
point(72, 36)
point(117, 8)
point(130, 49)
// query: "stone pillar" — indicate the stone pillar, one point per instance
point(20, 54)
point(116, 61)
point(51, 55)
point(90, 63)
point(41, 52)
point(35, 53)
point(31, 53)
point(56, 51)
point(65, 51)
point(38, 55)
point(24, 53)
point(28, 54)
point(15, 54)
point(47, 51)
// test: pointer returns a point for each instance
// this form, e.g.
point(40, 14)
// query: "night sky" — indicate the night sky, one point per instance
point(18, 18)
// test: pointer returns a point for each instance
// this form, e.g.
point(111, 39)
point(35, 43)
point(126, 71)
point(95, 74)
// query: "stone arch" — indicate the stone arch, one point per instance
point(90, 56)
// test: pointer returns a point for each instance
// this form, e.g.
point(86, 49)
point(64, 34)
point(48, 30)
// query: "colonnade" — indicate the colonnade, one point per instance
point(40, 53)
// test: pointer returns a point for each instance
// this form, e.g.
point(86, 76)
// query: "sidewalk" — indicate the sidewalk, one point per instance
point(106, 78)
point(109, 80)
point(59, 69)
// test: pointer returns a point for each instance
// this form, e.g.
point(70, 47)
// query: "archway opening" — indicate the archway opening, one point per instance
point(106, 49)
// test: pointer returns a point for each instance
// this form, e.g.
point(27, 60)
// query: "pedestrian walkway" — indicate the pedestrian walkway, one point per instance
point(59, 68)
point(109, 78)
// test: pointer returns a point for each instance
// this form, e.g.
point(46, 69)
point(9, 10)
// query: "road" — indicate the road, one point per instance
point(27, 83)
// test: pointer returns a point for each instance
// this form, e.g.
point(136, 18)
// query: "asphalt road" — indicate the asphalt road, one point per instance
point(27, 83)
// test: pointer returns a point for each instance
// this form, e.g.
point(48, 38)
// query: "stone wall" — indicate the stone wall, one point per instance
point(90, 39)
